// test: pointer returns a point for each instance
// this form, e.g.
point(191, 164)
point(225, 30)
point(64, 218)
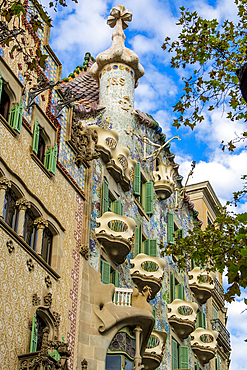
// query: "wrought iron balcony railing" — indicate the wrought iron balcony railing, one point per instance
point(224, 335)
point(218, 292)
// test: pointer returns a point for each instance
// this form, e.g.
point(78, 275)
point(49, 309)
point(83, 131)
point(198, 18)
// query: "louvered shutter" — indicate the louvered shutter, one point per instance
point(53, 160)
point(172, 287)
point(197, 366)
point(153, 247)
point(180, 291)
point(147, 247)
point(36, 137)
point(137, 179)
point(218, 363)
point(149, 197)
point(201, 320)
point(183, 357)
point(1, 85)
point(13, 116)
point(154, 315)
point(180, 233)
point(170, 228)
point(115, 278)
point(34, 334)
point(105, 196)
point(138, 240)
point(118, 207)
point(19, 118)
point(174, 354)
point(48, 159)
point(192, 264)
point(105, 272)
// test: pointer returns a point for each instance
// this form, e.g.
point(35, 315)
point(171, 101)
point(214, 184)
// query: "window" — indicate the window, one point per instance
point(11, 114)
point(176, 289)
point(143, 190)
point(147, 246)
point(29, 231)
point(38, 325)
point(201, 320)
point(10, 212)
point(109, 203)
point(48, 156)
point(108, 274)
point(217, 363)
point(46, 249)
point(197, 366)
point(172, 229)
point(180, 356)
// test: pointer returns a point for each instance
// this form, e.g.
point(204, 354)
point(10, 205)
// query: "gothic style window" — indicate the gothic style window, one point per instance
point(46, 250)
point(10, 212)
point(29, 231)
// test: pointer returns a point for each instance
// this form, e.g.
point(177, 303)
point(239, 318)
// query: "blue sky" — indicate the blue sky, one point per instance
point(82, 27)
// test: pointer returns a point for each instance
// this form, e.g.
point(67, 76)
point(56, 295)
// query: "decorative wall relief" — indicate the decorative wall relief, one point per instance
point(48, 281)
point(36, 300)
point(10, 246)
point(30, 264)
point(48, 300)
point(84, 251)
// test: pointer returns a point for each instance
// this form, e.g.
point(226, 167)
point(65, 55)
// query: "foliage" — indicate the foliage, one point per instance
point(222, 245)
point(214, 52)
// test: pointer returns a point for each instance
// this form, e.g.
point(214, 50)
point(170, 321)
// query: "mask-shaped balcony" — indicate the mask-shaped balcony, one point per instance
point(201, 283)
point(147, 271)
point(116, 157)
point(182, 317)
point(154, 351)
point(163, 181)
point(203, 343)
point(115, 233)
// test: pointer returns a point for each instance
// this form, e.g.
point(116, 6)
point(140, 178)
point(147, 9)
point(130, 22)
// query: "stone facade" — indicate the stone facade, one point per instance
point(84, 281)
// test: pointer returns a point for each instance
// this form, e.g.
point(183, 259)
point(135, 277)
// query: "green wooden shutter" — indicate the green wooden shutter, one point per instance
point(13, 116)
point(138, 240)
point(105, 272)
point(180, 291)
point(115, 278)
point(180, 233)
point(154, 315)
point(153, 247)
point(19, 118)
point(34, 334)
point(54, 160)
point(192, 264)
point(174, 354)
point(197, 366)
point(1, 85)
point(217, 363)
point(105, 196)
point(170, 228)
point(215, 313)
point(149, 197)
point(48, 159)
point(36, 137)
point(118, 207)
point(147, 247)
point(137, 179)
point(172, 287)
point(183, 357)
point(201, 320)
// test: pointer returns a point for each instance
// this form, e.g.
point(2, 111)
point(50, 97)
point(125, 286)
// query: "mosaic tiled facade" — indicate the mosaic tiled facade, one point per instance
point(107, 289)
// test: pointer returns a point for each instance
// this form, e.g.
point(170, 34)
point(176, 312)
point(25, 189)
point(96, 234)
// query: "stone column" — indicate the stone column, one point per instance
point(22, 204)
point(4, 185)
point(138, 358)
point(40, 224)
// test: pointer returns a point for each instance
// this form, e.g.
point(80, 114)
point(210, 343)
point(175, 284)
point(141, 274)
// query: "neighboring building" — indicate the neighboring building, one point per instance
point(207, 204)
point(86, 212)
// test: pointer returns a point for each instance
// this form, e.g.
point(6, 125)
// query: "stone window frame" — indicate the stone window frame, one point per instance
point(44, 219)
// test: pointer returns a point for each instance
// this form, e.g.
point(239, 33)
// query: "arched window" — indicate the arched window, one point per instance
point(121, 351)
point(10, 212)
point(5, 104)
point(29, 231)
point(46, 250)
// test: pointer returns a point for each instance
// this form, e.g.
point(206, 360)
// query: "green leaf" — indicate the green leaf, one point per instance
point(242, 217)
point(233, 268)
point(243, 252)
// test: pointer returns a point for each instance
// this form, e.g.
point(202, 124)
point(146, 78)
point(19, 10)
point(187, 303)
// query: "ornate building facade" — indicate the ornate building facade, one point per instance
point(90, 195)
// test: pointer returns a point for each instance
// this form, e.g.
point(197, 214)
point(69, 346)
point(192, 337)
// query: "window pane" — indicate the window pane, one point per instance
point(47, 246)
point(113, 363)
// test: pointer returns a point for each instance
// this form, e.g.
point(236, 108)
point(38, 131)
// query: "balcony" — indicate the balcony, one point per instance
point(147, 271)
point(203, 343)
point(115, 233)
point(201, 283)
point(163, 181)
point(218, 293)
point(154, 351)
point(52, 355)
point(224, 335)
point(182, 317)
point(116, 157)
point(123, 297)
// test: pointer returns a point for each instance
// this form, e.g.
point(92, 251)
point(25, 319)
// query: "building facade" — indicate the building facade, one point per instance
point(90, 195)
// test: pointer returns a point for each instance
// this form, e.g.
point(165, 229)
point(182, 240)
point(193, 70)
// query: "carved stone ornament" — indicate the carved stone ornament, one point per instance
point(40, 223)
point(30, 264)
point(4, 183)
point(48, 299)
point(36, 300)
point(84, 251)
point(57, 317)
point(84, 364)
point(83, 140)
point(10, 246)
point(48, 281)
point(22, 203)
point(147, 292)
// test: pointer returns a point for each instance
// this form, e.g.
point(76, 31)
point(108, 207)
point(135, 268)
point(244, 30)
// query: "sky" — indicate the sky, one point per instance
point(82, 27)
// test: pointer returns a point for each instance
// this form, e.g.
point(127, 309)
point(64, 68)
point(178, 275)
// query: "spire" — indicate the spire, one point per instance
point(119, 18)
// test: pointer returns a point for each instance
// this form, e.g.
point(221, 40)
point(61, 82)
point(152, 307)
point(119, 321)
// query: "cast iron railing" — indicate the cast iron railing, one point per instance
point(224, 335)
